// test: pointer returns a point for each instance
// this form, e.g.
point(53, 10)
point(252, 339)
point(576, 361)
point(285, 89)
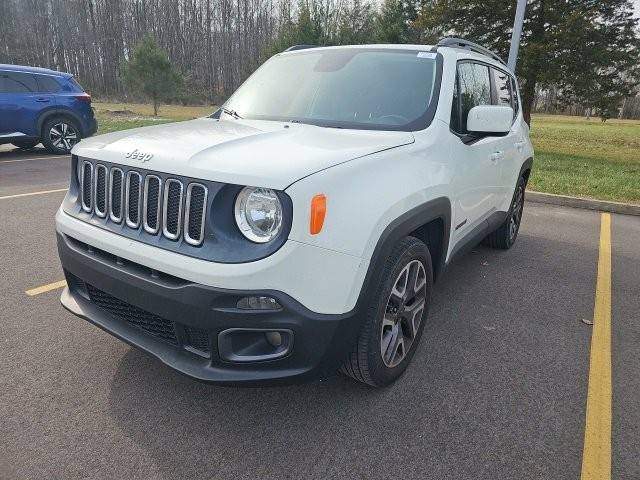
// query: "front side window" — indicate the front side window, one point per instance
point(343, 88)
point(17, 82)
point(473, 88)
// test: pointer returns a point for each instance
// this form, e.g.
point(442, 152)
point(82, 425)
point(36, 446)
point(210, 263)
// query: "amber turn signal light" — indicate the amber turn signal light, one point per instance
point(318, 212)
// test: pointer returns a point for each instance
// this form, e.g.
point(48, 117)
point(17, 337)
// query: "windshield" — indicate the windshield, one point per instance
point(345, 88)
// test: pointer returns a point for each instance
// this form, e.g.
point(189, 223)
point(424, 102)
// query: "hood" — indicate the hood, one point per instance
point(244, 152)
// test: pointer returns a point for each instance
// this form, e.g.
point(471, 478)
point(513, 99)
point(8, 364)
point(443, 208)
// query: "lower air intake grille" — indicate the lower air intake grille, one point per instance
point(198, 338)
point(150, 323)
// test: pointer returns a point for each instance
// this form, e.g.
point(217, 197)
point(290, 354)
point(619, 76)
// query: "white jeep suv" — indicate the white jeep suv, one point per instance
point(299, 229)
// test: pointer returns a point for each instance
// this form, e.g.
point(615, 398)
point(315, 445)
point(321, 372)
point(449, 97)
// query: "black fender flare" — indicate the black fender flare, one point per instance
point(438, 208)
point(526, 165)
point(62, 112)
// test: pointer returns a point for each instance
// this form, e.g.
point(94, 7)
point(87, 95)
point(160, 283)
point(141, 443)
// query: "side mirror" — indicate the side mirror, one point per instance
point(490, 119)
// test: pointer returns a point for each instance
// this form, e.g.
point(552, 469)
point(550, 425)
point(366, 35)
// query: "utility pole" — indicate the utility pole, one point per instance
point(517, 32)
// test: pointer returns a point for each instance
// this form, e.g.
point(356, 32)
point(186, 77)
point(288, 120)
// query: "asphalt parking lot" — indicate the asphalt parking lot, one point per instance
point(497, 390)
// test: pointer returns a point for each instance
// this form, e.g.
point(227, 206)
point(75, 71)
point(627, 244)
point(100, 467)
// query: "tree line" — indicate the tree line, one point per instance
point(585, 51)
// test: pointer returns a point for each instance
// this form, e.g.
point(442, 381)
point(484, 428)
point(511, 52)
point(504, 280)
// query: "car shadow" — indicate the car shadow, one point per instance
point(9, 152)
point(477, 381)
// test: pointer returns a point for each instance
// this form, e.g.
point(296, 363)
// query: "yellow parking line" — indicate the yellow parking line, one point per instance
point(46, 288)
point(596, 455)
point(42, 192)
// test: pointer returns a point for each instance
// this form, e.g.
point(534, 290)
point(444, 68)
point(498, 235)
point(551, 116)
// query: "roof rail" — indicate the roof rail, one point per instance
point(299, 47)
point(453, 42)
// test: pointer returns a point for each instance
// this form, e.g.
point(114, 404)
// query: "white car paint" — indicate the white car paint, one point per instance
point(244, 152)
point(370, 178)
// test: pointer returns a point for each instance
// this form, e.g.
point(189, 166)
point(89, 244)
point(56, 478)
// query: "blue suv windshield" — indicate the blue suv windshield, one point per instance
point(361, 88)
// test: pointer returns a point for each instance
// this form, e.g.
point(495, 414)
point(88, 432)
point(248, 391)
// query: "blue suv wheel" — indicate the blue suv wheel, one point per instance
point(60, 134)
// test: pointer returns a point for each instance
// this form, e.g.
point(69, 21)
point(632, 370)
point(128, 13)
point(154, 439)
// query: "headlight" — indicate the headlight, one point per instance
point(258, 213)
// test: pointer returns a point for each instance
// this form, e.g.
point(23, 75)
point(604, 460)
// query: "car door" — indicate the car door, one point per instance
point(477, 184)
point(4, 110)
point(20, 103)
point(511, 144)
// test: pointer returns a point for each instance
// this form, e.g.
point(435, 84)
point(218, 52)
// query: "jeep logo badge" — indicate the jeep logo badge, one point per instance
point(136, 155)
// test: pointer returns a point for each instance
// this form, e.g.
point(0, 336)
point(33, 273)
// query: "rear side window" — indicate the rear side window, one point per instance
point(502, 86)
point(516, 103)
point(473, 88)
point(17, 82)
point(48, 84)
point(71, 85)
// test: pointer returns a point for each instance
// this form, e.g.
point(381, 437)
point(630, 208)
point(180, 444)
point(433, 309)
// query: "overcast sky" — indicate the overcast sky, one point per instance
point(636, 4)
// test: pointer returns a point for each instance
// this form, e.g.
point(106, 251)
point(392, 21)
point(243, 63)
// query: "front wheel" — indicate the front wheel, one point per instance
point(393, 323)
point(505, 235)
point(60, 134)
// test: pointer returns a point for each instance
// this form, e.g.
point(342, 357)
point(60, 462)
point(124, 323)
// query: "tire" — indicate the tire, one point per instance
point(60, 134)
point(25, 144)
point(388, 315)
point(505, 235)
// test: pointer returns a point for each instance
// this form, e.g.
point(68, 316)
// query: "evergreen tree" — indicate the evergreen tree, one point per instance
point(356, 25)
point(588, 48)
point(394, 21)
point(150, 73)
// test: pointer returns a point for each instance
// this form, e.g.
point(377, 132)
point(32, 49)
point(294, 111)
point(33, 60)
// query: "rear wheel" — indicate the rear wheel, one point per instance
point(25, 144)
point(60, 134)
point(505, 235)
point(394, 321)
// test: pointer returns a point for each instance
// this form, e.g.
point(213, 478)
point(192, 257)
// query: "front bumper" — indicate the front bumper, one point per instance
point(158, 314)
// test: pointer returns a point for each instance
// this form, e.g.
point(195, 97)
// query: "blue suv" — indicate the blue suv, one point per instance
point(41, 105)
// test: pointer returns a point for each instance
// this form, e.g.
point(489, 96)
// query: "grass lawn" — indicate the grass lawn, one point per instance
point(120, 116)
point(574, 156)
point(586, 158)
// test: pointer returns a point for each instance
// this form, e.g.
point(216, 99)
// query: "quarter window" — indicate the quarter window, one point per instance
point(48, 84)
point(17, 82)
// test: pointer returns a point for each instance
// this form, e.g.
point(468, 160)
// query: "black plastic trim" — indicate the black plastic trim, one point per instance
point(474, 236)
point(461, 43)
point(439, 208)
point(322, 341)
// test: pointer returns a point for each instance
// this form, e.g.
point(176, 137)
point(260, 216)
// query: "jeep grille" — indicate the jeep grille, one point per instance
point(144, 202)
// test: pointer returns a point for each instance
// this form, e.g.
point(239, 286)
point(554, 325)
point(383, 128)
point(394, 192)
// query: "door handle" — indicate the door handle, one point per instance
point(495, 156)
point(42, 99)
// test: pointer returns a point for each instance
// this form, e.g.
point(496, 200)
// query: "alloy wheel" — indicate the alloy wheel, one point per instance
point(516, 212)
point(63, 136)
point(403, 313)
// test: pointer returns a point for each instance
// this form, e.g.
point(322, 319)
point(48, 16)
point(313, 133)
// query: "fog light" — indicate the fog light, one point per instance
point(274, 338)
point(258, 303)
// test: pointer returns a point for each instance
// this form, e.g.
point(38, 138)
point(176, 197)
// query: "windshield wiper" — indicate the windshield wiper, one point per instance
point(230, 112)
